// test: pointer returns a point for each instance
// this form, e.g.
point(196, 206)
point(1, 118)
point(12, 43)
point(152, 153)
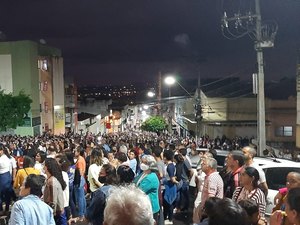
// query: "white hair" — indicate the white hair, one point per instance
point(151, 162)
point(128, 205)
point(211, 162)
point(123, 148)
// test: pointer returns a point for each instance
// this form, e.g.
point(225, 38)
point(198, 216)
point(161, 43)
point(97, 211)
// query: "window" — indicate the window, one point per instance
point(276, 177)
point(284, 131)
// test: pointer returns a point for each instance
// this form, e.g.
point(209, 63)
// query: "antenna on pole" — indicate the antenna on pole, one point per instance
point(247, 22)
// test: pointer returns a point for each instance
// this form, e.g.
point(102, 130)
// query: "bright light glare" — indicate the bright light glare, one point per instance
point(170, 80)
point(146, 107)
point(151, 94)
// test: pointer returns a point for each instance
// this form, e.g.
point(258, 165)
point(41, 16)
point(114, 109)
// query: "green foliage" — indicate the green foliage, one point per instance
point(13, 109)
point(154, 124)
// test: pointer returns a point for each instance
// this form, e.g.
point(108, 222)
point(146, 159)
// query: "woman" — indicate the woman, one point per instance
point(79, 181)
point(179, 165)
point(64, 165)
point(40, 161)
point(249, 189)
point(292, 181)
point(108, 177)
point(170, 182)
point(53, 193)
point(148, 182)
point(31, 209)
point(112, 160)
point(94, 169)
point(292, 209)
point(71, 175)
point(5, 179)
point(132, 160)
point(28, 168)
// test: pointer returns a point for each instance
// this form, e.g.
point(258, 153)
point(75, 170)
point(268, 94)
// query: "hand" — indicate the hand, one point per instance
point(276, 218)
point(277, 198)
point(262, 221)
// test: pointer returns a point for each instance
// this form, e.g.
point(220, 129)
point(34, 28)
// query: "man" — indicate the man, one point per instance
point(213, 183)
point(128, 205)
point(249, 154)
point(235, 162)
point(31, 209)
point(187, 173)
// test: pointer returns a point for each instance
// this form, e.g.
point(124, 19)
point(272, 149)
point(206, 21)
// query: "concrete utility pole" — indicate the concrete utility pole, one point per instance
point(264, 36)
point(198, 110)
point(159, 94)
point(261, 126)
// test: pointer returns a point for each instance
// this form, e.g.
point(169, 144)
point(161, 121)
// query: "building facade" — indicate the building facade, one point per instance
point(37, 70)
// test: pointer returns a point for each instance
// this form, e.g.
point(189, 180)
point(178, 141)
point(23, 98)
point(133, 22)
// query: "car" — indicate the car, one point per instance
point(220, 156)
point(276, 171)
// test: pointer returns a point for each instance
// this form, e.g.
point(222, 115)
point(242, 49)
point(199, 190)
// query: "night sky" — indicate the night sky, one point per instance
point(122, 41)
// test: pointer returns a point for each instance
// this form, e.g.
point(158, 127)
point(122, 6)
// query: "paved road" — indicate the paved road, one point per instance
point(184, 218)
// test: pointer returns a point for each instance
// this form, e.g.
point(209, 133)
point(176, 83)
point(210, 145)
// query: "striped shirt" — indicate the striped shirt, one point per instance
point(255, 195)
point(213, 187)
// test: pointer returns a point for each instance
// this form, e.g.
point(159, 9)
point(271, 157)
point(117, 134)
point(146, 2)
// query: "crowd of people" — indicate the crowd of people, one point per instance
point(136, 178)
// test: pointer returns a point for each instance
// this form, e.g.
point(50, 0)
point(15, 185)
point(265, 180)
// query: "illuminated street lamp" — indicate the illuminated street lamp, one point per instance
point(150, 94)
point(170, 80)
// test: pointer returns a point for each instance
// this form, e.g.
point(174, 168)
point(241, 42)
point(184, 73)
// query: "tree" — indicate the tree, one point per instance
point(13, 109)
point(154, 124)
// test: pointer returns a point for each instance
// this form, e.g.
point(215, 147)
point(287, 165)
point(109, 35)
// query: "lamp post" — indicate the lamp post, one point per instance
point(170, 80)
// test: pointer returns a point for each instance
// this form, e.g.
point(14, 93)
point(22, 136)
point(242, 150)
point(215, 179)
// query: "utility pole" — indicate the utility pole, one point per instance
point(159, 94)
point(264, 34)
point(198, 109)
point(261, 128)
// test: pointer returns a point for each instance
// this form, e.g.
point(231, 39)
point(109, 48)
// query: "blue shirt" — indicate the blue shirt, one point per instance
point(133, 164)
point(31, 210)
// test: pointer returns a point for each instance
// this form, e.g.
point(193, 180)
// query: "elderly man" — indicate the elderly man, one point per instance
point(128, 205)
point(213, 183)
point(249, 154)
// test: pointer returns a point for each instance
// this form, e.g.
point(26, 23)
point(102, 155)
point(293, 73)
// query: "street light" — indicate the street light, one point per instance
point(170, 80)
point(150, 94)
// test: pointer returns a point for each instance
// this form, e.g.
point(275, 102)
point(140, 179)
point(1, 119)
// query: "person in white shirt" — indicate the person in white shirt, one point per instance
point(64, 165)
point(40, 162)
point(249, 154)
point(94, 170)
point(5, 178)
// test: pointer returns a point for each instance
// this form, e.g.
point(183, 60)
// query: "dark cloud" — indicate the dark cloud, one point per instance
point(119, 41)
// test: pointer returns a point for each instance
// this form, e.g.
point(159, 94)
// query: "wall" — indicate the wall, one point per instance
point(6, 73)
point(281, 113)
